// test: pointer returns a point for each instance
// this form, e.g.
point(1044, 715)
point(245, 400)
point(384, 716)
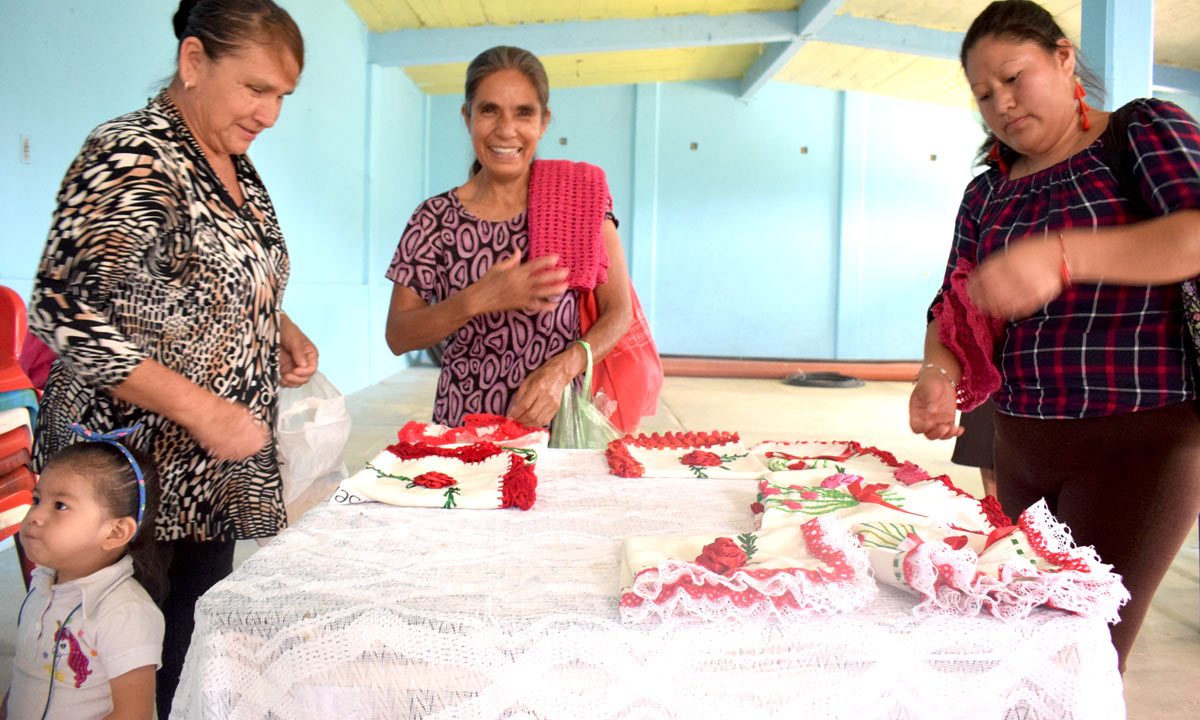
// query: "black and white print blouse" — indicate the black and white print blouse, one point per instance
point(149, 257)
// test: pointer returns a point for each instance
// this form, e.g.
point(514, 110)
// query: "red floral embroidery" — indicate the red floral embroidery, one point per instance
point(757, 508)
point(722, 556)
point(909, 473)
point(701, 458)
point(518, 488)
point(434, 480)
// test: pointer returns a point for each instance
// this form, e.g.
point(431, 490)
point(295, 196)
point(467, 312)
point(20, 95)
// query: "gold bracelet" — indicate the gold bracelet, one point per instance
point(941, 370)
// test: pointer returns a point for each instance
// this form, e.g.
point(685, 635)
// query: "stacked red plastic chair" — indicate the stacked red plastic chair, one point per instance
point(18, 410)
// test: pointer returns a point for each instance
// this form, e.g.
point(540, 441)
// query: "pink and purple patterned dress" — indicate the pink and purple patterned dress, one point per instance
point(444, 250)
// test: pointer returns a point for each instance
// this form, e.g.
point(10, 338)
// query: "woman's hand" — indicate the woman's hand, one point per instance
point(537, 399)
point(534, 286)
point(931, 407)
point(227, 430)
point(297, 354)
point(1013, 284)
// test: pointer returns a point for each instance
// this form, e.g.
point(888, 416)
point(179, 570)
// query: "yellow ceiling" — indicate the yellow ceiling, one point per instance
point(676, 65)
point(841, 67)
point(384, 15)
point(1177, 42)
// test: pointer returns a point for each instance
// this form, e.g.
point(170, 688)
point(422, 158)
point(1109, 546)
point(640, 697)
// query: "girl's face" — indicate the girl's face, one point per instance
point(506, 121)
point(68, 528)
point(1024, 93)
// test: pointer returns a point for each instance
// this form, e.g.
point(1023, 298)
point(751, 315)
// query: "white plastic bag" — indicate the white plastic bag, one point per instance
point(311, 433)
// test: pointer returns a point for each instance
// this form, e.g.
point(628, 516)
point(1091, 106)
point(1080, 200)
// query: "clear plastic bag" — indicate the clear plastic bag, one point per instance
point(581, 422)
point(311, 434)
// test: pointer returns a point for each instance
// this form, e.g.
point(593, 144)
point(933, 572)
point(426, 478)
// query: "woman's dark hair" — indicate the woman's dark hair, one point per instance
point(226, 26)
point(1020, 21)
point(116, 487)
point(506, 57)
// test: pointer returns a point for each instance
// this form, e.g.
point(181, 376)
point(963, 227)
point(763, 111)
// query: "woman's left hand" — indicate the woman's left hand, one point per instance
point(297, 354)
point(536, 402)
point(1013, 284)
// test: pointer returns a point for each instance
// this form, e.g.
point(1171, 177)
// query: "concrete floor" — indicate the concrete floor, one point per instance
point(1163, 677)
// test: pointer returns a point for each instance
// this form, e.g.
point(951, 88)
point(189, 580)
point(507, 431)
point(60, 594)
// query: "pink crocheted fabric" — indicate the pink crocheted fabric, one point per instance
point(971, 336)
point(567, 204)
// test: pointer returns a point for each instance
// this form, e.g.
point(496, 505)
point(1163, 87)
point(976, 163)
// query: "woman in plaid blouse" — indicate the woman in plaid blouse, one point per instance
point(1082, 259)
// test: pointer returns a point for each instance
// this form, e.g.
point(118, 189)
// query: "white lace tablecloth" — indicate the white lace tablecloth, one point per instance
point(374, 611)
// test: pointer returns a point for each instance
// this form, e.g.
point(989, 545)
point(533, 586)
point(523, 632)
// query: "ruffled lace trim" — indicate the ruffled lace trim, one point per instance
point(677, 590)
point(950, 583)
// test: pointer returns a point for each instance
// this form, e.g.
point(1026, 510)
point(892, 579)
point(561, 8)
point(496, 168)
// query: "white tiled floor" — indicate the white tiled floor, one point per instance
point(1163, 678)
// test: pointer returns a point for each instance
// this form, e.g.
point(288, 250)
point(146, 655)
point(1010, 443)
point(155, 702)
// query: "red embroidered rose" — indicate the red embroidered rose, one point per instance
point(757, 508)
point(722, 556)
point(434, 480)
point(701, 458)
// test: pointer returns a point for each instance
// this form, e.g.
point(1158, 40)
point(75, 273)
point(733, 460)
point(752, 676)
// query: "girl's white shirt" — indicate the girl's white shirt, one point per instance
point(115, 628)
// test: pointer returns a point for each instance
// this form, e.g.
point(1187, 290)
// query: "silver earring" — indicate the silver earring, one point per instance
point(187, 86)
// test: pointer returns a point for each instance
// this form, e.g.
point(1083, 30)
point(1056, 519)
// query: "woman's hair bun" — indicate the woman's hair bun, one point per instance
point(180, 21)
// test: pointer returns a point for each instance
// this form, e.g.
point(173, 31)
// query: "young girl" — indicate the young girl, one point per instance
point(89, 636)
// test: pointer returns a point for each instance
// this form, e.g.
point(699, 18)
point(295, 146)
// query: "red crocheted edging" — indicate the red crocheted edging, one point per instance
point(518, 487)
point(994, 513)
point(505, 429)
point(680, 440)
point(621, 463)
point(1065, 560)
point(971, 336)
point(467, 453)
point(814, 540)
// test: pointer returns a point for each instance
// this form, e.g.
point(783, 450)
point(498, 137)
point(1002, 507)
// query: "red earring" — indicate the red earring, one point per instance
point(1080, 94)
point(995, 156)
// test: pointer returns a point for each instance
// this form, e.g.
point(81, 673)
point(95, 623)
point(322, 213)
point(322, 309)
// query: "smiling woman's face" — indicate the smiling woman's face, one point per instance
point(506, 120)
point(1024, 93)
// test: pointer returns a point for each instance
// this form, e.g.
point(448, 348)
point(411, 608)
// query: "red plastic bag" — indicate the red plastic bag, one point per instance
point(631, 373)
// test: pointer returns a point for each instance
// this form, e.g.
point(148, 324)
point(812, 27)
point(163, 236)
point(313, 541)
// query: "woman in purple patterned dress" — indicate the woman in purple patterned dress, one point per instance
point(461, 268)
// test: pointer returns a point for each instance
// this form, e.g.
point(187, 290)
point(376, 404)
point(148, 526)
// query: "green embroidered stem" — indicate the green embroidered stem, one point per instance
point(884, 535)
point(529, 454)
point(450, 493)
point(407, 480)
point(746, 540)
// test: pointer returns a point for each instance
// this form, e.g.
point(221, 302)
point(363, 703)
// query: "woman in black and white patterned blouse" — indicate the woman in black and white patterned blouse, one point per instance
point(160, 290)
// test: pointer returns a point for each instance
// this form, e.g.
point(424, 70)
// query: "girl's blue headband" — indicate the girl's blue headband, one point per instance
point(113, 438)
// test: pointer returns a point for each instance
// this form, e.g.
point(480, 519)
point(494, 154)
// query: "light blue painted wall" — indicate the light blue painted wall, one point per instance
point(66, 66)
point(912, 162)
point(747, 224)
point(756, 248)
point(397, 167)
point(62, 72)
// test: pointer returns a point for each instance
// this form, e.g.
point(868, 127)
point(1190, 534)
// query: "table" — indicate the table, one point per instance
point(373, 611)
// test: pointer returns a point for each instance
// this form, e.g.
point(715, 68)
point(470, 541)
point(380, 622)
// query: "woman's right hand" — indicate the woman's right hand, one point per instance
point(228, 430)
point(534, 286)
point(932, 406)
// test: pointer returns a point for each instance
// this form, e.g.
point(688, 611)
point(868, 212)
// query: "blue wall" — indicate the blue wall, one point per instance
point(807, 223)
point(66, 66)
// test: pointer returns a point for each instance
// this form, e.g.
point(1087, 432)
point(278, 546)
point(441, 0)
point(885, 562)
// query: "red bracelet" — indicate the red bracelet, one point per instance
point(1064, 268)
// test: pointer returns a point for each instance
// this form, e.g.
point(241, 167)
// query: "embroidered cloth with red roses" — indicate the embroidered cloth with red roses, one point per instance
point(833, 520)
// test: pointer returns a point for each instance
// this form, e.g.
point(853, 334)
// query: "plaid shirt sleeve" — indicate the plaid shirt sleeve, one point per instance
point(1166, 147)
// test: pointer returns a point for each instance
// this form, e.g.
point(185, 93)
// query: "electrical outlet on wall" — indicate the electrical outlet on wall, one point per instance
point(25, 149)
